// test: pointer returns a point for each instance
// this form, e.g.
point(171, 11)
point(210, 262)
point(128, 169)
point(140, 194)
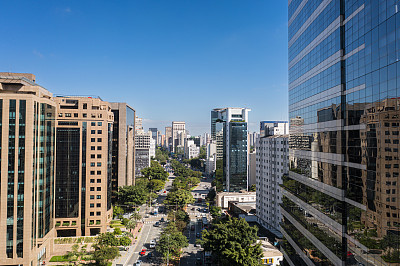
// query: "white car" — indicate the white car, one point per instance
point(152, 243)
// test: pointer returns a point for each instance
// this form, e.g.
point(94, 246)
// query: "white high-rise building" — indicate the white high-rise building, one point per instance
point(272, 162)
point(178, 135)
point(142, 151)
point(191, 150)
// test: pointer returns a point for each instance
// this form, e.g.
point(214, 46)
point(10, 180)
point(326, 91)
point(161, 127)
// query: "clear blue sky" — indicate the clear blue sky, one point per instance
point(170, 60)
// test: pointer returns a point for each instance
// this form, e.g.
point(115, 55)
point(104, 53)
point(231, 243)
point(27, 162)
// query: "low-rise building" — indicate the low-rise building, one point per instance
point(223, 198)
point(271, 255)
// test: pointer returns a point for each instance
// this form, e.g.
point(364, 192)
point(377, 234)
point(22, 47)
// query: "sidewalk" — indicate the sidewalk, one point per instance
point(126, 255)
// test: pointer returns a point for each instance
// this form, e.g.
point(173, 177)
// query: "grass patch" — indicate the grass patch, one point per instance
point(58, 259)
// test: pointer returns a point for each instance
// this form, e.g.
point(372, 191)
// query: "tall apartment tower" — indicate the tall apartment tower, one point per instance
point(27, 152)
point(83, 166)
point(229, 129)
point(123, 146)
point(341, 197)
point(272, 162)
point(178, 135)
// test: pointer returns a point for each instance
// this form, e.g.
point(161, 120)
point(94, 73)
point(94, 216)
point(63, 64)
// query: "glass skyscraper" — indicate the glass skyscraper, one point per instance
point(341, 197)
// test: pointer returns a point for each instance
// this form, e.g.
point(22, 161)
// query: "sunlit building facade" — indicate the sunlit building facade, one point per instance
point(341, 196)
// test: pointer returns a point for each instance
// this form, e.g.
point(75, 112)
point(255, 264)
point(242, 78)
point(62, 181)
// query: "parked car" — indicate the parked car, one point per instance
point(143, 252)
point(205, 210)
point(192, 228)
point(197, 234)
point(157, 224)
point(162, 220)
point(138, 263)
point(152, 244)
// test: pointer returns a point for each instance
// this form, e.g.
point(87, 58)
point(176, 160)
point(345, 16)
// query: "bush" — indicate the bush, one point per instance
point(59, 259)
point(73, 223)
point(65, 223)
point(125, 241)
point(117, 231)
point(58, 223)
point(125, 221)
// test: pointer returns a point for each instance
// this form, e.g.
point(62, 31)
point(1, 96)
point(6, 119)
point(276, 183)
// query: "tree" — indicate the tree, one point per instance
point(252, 188)
point(232, 242)
point(117, 211)
point(215, 212)
point(125, 241)
point(156, 184)
point(179, 197)
point(131, 224)
point(75, 255)
point(117, 231)
point(132, 195)
point(102, 255)
point(155, 171)
point(107, 239)
point(171, 242)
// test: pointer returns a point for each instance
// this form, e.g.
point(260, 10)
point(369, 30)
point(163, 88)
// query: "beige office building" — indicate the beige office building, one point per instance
point(178, 135)
point(27, 129)
point(83, 175)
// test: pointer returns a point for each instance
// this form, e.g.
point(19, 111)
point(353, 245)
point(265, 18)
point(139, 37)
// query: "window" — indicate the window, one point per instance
point(93, 139)
point(60, 115)
point(98, 196)
point(93, 156)
point(99, 148)
point(98, 156)
point(84, 115)
point(98, 188)
point(91, 205)
point(98, 213)
point(92, 131)
point(75, 114)
point(91, 213)
point(99, 164)
point(92, 189)
point(98, 205)
point(99, 124)
point(91, 196)
point(99, 139)
point(99, 131)
point(98, 180)
point(93, 124)
point(91, 180)
point(98, 172)
point(92, 148)
point(67, 114)
point(84, 106)
point(92, 164)
point(92, 172)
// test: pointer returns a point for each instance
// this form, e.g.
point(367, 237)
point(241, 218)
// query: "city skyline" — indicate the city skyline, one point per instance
point(178, 51)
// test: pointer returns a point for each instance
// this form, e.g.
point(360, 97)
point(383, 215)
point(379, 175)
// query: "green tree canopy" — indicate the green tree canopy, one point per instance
point(107, 239)
point(155, 171)
point(232, 242)
point(102, 255)
point(215, 211)
point(179, 197)
point(171, 242)
point(132, 195)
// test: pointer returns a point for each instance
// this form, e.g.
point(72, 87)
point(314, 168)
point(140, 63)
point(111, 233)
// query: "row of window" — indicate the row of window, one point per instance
point(84, 115)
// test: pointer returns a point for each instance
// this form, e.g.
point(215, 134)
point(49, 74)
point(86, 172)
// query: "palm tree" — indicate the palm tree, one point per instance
point(136, 216)
point(131, 224)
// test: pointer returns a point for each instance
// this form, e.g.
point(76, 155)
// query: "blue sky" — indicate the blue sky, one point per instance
point(169, 59)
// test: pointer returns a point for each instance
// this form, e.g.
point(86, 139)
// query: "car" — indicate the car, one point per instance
point(149, 256)
point(198, 209)
point(138, 263)
point(152, 243)
point(162, 220)
point(143, 252)
point(197, 234)
point(157, 224)
point(205, 210)
point(146, 216)
point(192, 228)
point(196, 245)
point(193, 208)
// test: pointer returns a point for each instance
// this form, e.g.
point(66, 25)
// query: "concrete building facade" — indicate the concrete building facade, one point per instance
point(83, 166)
point(178, 135)
point(27, 178)
point(272, 162)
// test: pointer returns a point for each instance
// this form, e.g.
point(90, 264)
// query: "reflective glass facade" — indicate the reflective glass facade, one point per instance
point(341, 197)
point(237, 157)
